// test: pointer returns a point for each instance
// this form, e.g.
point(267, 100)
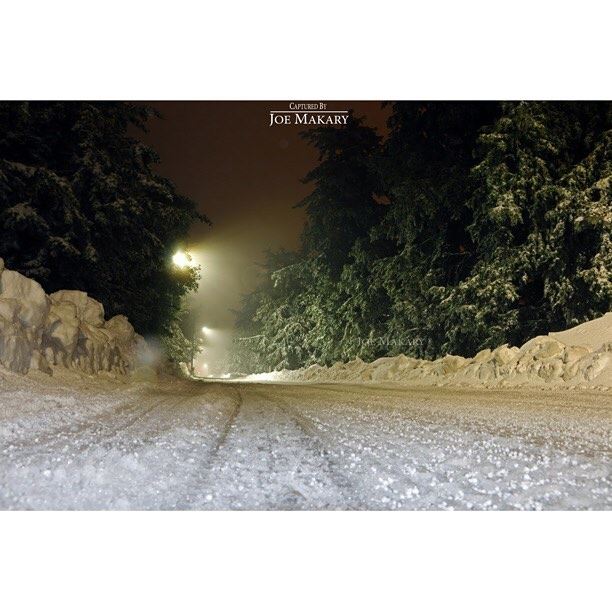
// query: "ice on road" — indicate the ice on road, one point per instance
point(280, 446)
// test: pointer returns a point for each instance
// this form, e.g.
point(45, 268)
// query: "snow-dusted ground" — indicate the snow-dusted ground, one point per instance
point(281, 446)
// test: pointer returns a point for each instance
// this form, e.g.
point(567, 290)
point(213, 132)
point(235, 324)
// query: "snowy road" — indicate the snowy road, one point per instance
point(280, 446)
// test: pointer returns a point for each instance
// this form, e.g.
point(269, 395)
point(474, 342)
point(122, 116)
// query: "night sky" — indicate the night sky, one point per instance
point(246, 177)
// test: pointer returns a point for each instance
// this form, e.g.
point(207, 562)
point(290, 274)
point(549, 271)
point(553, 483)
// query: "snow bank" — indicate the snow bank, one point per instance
point(592, 333)
point(65, 329)
point(581, 356)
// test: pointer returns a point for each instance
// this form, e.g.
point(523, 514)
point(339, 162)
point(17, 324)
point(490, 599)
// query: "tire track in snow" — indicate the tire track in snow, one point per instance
point(338, 440)
point(227, 426)
point(199, 479)
point(121, 448)
point(256, 460)
point(338, 480)
point(433, 434)
point(103, 427)
point(114, 422)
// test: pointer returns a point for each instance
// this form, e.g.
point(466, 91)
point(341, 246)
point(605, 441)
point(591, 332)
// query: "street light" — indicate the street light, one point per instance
point(181, 259)
point(205, 330)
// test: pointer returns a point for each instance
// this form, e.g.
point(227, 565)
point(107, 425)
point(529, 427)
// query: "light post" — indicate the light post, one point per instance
point(183, 261)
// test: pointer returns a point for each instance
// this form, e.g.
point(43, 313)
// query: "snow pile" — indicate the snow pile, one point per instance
point(65, 329)
point(592, 333)
point(581, 356)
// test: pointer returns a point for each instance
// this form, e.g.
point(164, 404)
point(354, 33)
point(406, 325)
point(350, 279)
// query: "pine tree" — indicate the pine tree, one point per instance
point(81, 207)
point(301, 313)
point(342, 206)
point(425, 165)
point(497, 228)
point(542, 211)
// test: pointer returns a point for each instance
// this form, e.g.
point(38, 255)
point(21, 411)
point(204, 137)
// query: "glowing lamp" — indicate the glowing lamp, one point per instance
point(180, 259)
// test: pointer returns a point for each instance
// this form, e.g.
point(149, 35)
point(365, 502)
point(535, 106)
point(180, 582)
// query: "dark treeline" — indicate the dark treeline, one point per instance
point(470, 225)
point(81, 207)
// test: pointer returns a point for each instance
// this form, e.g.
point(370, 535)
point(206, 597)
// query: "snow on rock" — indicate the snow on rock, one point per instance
point(65, 329)
point(580, 356)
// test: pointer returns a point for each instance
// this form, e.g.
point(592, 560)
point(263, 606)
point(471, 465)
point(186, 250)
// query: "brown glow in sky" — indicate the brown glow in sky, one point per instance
point(246, 177)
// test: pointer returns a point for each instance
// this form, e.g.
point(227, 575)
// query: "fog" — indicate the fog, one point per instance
point(246, 177)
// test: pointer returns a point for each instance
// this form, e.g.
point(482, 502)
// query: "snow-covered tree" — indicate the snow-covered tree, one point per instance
point(542, 210)
point(497, 228)
point(81, 207)
point(342, 205)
